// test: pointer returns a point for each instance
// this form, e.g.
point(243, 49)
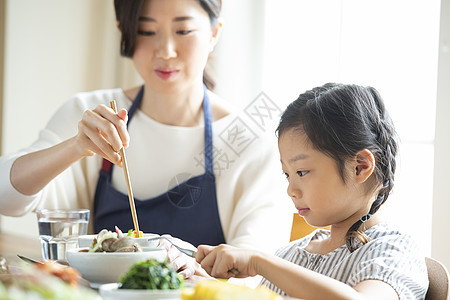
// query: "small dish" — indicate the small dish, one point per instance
point(111, 291)
point(86, 240)
point(108, 267)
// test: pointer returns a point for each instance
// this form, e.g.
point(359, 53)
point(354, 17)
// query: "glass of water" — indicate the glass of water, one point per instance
point(59, 230)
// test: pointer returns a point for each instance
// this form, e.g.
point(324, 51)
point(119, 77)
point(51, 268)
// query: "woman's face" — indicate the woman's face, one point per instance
point(315, 186)
point(174, 40)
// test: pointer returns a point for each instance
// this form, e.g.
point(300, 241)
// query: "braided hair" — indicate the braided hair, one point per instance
point(341, 120)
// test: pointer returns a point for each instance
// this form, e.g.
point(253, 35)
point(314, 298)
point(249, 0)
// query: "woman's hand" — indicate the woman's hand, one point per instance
point(101, 131)
point(225, 261)
point(185, 265)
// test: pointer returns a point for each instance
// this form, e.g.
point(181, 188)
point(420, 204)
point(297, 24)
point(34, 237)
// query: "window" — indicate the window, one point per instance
point(293, 45)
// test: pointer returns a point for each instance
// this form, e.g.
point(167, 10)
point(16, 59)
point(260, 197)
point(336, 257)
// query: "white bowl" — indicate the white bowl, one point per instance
point(86, 240)
point(111, 291)
point(107, 267)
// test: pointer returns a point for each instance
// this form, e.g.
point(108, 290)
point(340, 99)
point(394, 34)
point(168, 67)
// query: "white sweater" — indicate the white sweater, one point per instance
point(253, 205)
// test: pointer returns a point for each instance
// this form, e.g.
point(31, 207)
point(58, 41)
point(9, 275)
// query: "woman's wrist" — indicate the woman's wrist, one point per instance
point(76, 148)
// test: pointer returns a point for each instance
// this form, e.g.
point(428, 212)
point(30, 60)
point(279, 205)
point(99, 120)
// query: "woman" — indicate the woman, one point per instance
point(188, 180)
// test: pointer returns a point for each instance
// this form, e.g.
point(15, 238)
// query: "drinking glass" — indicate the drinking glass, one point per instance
point(59, 230)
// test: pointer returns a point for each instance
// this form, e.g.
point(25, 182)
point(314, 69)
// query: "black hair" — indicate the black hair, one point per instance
point(127, 15)
point(340, 120)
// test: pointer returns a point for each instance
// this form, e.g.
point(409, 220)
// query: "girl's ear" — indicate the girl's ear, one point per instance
point(365, 164)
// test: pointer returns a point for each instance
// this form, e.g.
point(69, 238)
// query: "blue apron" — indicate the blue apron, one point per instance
point(187, 211)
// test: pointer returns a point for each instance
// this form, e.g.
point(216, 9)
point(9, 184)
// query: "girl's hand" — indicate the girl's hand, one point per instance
point(103, 132)
point(222, 261)
point(185, 265)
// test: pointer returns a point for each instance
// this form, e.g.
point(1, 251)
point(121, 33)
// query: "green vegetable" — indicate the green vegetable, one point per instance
point(151, 274)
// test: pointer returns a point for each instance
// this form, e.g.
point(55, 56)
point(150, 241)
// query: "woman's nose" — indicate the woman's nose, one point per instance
point(166, 47)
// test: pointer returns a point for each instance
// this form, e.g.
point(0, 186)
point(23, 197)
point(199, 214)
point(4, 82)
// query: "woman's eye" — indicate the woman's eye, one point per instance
point(146, 33)
point(184, 32)
point(286, 174)
point(302, 173)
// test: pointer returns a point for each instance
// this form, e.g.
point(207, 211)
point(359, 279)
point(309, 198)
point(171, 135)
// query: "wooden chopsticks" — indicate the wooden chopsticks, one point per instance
point(127, 179)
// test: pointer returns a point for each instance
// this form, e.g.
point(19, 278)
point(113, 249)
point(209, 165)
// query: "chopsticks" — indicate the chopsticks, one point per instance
point(127, 179)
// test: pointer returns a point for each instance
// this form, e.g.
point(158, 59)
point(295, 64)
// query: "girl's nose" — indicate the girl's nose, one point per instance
point(293, 191)
point(166, 47)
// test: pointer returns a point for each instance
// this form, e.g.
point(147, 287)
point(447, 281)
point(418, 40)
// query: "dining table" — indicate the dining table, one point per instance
point(13, 244)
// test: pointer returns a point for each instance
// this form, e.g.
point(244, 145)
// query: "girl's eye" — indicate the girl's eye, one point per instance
point(286, 175)
point(302, 173)
point(184, 32)
point(145, 33)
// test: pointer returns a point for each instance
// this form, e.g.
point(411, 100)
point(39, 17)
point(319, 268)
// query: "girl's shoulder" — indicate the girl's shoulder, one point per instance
point(383, 237)
point(384, 231)
point(393, 257)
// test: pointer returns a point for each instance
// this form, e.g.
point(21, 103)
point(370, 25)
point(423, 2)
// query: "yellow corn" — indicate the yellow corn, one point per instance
point(141, 234)
point(222, 290)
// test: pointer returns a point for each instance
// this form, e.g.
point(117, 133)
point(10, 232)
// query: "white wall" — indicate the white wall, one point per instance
point(238, 58)
point(441, 199)
point(54, 49)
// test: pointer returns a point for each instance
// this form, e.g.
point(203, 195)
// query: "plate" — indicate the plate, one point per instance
point(111, 291)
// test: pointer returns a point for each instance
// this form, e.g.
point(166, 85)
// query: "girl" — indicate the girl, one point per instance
point(337, 146)
point(187, 180)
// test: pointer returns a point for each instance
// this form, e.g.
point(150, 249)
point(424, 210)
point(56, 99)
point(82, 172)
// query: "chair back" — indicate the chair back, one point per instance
point(438, 277)
point(300, 228)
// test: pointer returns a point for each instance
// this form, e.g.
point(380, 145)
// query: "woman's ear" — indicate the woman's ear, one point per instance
point(365, 164)
point(216, 31)
point(118, 25)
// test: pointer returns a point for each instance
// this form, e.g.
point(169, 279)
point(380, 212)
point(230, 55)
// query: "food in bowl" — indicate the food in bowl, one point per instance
point(108, 241)
point(144, 240)
point(151, 275)
point(150, 279)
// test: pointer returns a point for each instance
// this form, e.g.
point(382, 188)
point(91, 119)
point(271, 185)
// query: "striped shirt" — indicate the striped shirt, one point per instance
point(389, 256)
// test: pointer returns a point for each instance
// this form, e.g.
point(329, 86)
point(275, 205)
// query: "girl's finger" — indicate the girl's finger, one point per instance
point(222, 265)
point(202, 252)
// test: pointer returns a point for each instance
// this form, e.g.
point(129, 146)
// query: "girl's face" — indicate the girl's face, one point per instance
point(174, 40)
point(315, 186)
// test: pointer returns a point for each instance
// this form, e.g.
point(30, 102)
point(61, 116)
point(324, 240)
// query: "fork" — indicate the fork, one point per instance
point(188, 252)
